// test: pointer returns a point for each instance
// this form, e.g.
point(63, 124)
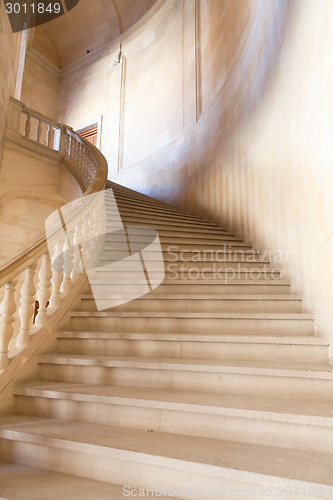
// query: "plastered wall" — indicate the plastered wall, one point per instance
point(224, 107)
point(30, 189)
point(9, 54)
point(40, 86)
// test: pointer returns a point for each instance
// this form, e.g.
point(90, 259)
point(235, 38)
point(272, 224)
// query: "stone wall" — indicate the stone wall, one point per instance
point(225, 108)
point(9, 54)
point(29, 191)
point(40, 87)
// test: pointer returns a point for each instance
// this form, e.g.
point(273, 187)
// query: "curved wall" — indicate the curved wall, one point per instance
point(9, 58)
point(225, 107)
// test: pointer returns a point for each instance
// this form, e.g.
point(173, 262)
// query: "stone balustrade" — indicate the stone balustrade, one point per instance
point(30, 288)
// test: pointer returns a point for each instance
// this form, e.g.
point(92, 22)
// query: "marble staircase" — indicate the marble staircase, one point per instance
point(215, 381)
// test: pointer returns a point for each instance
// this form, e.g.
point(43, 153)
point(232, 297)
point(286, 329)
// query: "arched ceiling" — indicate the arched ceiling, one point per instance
point(89, 25)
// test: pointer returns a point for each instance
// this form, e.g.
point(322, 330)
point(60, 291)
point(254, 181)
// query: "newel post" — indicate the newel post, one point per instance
point(7, 311)
point(15, 113)
point(63, 141)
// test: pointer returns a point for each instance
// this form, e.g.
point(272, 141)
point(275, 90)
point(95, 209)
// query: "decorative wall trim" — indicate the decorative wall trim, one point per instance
point(178, 7)
point(121, 110)
point(43, 63)
point(198, 66)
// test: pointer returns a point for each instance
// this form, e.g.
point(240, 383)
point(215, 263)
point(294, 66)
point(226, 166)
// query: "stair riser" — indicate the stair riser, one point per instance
point(155, 212)
point(172, 233)
point(173, 254)
point(193, 288)
point(180, 241)
point(180, 227)
point(133, 205)
point(194, 325)
point(124, 198)
point(174, 305)
point(174, 273)
point(196, 246)
point(149, 217)
point(256, 430)
point(138, 209)
point(195, 350)
point(139, 472)
point(137, 205)
point(221, 383)
point(171, 264)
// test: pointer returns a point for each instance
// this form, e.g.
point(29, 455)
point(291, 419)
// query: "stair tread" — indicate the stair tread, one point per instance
point(324, 371)
point(291, 410)
point(21, 482)
point(193, 315)
point(188, 281)
point(175, 229)
point(149, 297)
point(173, 226)
point(197, 337)
point(182, 452)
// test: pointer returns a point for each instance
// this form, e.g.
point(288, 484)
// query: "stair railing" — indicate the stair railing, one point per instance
point(31, 290)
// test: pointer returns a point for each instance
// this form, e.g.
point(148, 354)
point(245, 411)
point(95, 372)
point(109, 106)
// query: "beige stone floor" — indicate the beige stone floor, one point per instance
point(18, 482)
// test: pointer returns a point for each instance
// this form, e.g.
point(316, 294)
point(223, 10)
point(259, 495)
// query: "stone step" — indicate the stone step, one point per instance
point(197, 287)
point(311, 382)
point(146, 201)
point(132, 272)
point(293, 424)
point(155, 459)
point(197, 246)
point(176, 226)
point(169, 232)
point(228, 323)
point(203, 303)
point(154, 212)
point(193, 346)
point(138, 205)
point(160, 217)
point(229, 242)
point(171, 261)
point(138, 208)
point(20, 482)
point(173, 254)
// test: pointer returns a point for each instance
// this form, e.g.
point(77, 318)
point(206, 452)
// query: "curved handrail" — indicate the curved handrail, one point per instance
point(39, 247)
point(89, 167)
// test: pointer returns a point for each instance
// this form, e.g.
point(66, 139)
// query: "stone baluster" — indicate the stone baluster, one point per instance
point(77, 268)
point(57, 277)
point(28, 126)
point(7, 311)
point(84, 166)
point(86, 243)
point(80, 154)
point(67, 144)
point(44, 290)
point(38, 131)
point(93, 231)
point(50, 137)
point(68, 266)
point(27, 307)
point(76, 151)
point(72, 146)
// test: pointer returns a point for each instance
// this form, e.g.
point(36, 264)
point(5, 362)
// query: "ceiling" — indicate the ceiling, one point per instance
point(89, 25)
